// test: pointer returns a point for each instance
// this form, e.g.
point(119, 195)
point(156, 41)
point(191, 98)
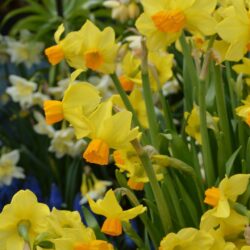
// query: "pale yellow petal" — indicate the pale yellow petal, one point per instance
point(58, 33)
point(83, 95)
point(132, 213)
point(234, 186)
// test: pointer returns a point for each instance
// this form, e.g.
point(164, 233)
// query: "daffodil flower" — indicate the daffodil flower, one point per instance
point(112, 225)
point(243, 111)
point(107, 131)
point(23, 216)
point(234, 29)
point(21, 90)
point(81, 239)
point(88, 48)
point(138, 103)
point(163, 22)
point(127, 160)
point(229, 189)
point(80, 99)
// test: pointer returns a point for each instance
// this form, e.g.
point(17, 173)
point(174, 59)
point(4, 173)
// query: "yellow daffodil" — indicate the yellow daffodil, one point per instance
point(193, 123)
point(163, 21)
point(81, 239)
point(187, 239)
point(61, 221)
point(128, 160)
point(138, 103)
point(234, 29)
point(80, 99)
point(107, 131)
point(243, 111)
point(22, 220)
point(130, 72)
point(160, 68)
point(230, 227)
point(88, 48)
point(57, 53)
point(112, 225)
point(229, 189)
point(243, 68)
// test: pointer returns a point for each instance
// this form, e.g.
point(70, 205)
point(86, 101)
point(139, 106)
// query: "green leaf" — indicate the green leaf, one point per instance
point(230, 162)
point(32, 23)
point(24, 10)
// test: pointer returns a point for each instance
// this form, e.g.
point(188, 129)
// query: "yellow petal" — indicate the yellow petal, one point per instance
point(82, 95)
point(58, 33)
point(234, 186)
point(132, 213)
point(103, 207)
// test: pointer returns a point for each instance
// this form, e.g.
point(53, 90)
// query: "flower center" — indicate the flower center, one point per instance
point(93, 59)
point(126, 83)
point(97, 152)
point(53, 111)
point(112, 226)
point(169, 21)
point(212, 196)
point(55, 54)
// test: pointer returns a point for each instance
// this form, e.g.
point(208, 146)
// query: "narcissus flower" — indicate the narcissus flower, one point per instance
point(21, 90)
point(64, 142)
point(127, 160)
point(138, 103)
point(81, 239)
point(163, 22)
point(243, 111)
point(234, 29)
point(160, 68)
point(187, 239)
point(92, 187)
point(243, 68)
point(107, 131)
point(80, 99)
point(112, 225)
point(230, 226)
point(130, 72)
point(9, 169)
point(22, 220)
point(88, 48)
point(229, 189)
point(193, 123)
point(63, 221)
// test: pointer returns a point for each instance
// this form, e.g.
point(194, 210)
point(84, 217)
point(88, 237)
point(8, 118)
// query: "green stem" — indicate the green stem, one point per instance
point(152, 119)
point(222, 111)
point(158, 194)
point(206, 150)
